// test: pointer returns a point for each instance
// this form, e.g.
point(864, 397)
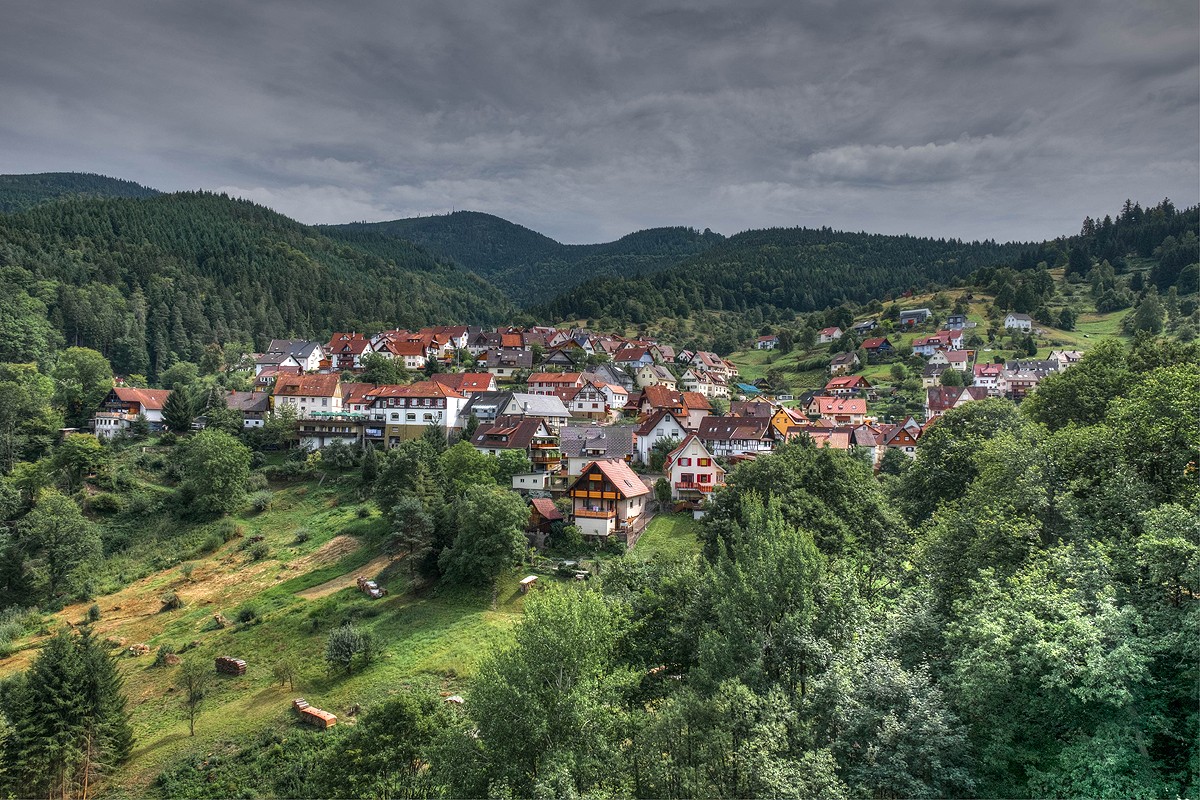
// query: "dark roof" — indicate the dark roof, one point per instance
point(718, 429)
point(596, 441)
point(508, 433)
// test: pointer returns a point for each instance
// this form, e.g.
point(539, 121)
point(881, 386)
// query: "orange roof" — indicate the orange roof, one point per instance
point(623, 479)
point(511, 340)
point(307, 385)
point(464, 381)
point(148, 399)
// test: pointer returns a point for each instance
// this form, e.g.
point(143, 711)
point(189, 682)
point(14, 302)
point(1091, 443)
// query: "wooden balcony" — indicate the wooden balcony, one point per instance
point(589, 514)
point(693, 486)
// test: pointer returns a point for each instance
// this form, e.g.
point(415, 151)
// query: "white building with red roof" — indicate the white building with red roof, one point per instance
point(607, 499)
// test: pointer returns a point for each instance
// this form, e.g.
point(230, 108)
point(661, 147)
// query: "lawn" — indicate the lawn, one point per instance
point(668, 536)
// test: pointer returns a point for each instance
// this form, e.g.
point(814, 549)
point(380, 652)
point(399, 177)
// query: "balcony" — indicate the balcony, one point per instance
point(693, 486)
point(546, 458)
point(588, 513)
point(544, 445)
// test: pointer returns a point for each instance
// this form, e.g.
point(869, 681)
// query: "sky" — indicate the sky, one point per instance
point(1001, 119)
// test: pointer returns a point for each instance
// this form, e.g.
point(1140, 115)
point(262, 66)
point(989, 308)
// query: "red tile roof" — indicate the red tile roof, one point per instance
point(307, 385)
point(148, 399)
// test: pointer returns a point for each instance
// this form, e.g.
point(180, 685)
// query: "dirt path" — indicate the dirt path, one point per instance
point(372, 567)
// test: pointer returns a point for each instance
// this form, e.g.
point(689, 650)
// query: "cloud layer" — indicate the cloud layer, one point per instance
point(1004, 119)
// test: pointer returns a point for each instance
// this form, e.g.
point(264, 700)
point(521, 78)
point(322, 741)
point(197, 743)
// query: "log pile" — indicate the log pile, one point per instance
point(231, 666)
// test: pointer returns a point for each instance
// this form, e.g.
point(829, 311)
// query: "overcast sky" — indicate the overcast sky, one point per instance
point(1008, 119)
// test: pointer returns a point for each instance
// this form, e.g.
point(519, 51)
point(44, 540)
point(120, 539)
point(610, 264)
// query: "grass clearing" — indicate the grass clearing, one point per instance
point(668, 536)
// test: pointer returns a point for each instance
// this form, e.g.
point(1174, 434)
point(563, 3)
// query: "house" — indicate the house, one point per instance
point(941, 399)
point(466, 383)
point(1021, 322)
point(913, 317)
point(878, 348)
point(304, 354)
point(586, 402)
point(277, 362)
point(754, 407)
point(608, 499)
point(769, 342)
point(831, 438)
point(315, 432)
point(711, 362)
point(956, 321)
point(843, 363)
point(413, 354)
point(866, 326)
point(903, 437)
point(931, 375)
point(484, 406)
point(827, 335)
point(400, 413)
point(528, 435)
point(548, 408)
point(955, 359)
point(253, 405)
point(308, 395)
point(123, 405)
point(615, 395)
point(1065, 358)
point(659, 426)
point(1016, 384)
point(839, 410)
point(987, 376)
point(689, 406)
point(729, 436)
point(692, 471)
point(542, 516)
point(709, 384)
point(654, 375)
point(847, 386)
point(549, 382)
point(610, 373)
point(634, 357)
point(346, 351)
point(582, 444)
point(505, 364)
point(264, 381)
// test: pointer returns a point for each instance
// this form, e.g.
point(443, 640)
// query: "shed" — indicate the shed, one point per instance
point(527, 583)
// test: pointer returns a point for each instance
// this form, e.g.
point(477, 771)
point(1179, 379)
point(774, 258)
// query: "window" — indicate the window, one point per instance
point(685, 462)
point(705, 477)
point(687, 477)
point(410, 417)
point(324, 401)
point(704, 462)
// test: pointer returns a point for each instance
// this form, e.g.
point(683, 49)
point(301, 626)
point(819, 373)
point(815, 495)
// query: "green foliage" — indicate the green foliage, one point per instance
point(522, 263)
point(490, 523)
point(68, 720)
point(179, 409)
point(19, 192)
point(562, 673)
point(82, 379)
point(382, 369)
point(195, 678)
point(347, 647)
point(215, 466)
point(465, 467)
point(659, 451)
point(57, 543)
point(1082, 393)
point(28, 423)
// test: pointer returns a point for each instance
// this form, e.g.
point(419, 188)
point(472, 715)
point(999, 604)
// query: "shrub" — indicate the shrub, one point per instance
point(260, 501)
point(171, 601)
point(94, 613)
point(259, 551)
point(104, 503)
point(302, 536)
point(167, 439)
point(187, 569)
point(248, 616)
point(211, 544)
point(160, 658)
point(256, 482)
point(363, 512)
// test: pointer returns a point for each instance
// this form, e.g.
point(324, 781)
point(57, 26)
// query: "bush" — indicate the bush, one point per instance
point(104, 503)
point(363, 512)
point(302, 536)
point(248, 616)
point(260, 501)
point(227, 529)
point(211, 544)
point(171, 601)
point(187, 569)
point(94, 613)
point(259, 551)
point(256, 482)
point(160, 658)
point(167, 439)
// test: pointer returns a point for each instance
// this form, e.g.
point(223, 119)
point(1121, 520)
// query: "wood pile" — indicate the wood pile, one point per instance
point(370, 588)
point(313, 716)
point(231, 666)
point(139, 649)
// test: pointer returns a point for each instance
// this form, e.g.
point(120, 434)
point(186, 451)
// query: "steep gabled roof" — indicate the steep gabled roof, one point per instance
point(307, 386)
point(727, 429)
point(546, 509)
point(624, 480)
point(609, 441)
point(509, 433)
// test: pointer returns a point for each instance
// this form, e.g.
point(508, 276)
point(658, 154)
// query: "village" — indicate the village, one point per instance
point(591, 411)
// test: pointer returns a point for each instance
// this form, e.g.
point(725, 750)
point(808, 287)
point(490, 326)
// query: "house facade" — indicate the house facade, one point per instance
point(607, 499)
point(692, 471)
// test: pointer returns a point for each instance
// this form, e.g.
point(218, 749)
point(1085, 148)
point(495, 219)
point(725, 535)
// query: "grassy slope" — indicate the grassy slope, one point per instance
point(429, 636)
point(426, 635)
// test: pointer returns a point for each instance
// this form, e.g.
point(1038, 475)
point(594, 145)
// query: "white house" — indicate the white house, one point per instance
point(1021, 322)
point(692, 470)
point(660, 426)
point(607, 499)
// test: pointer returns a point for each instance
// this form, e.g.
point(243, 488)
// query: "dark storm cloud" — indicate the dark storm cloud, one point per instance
point(1009, 119)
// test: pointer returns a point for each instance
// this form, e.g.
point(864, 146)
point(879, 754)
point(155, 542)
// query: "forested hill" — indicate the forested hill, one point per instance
point(782, 270)
point(529, 267)
point(149, 281)
point(19, 192)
